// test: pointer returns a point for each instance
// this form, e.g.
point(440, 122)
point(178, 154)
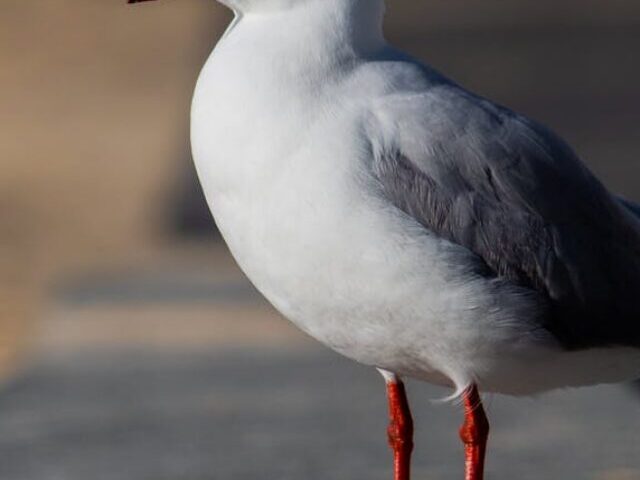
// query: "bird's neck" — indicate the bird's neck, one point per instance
point(316, 27)
point(355, 23)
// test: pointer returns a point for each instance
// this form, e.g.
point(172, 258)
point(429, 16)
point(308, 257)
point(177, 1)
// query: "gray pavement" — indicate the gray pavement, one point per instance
point(289, 414)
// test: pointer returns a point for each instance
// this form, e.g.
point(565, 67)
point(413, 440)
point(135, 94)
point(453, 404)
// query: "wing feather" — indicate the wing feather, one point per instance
point(518, 197)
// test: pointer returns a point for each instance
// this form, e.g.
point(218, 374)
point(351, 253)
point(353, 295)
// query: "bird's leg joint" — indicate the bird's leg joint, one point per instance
point(400, 430)
point(475, 430)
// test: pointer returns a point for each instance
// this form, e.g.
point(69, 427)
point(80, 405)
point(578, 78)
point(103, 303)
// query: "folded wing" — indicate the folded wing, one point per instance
point(518, 197)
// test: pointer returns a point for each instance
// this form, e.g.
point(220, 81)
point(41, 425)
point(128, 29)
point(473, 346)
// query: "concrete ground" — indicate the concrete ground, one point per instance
point(167, 373)
point(267, 414)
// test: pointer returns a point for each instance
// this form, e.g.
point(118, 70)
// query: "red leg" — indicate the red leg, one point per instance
point(474, 433)
point(400, 429)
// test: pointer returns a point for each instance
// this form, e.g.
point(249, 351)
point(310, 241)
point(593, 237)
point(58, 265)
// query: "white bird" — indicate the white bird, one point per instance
point(407, 223)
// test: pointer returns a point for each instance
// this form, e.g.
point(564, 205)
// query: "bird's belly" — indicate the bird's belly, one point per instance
point(335, 284)
point(363, 281)
point(358, 282)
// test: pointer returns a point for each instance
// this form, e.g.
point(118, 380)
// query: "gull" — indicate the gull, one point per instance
point(407, 223)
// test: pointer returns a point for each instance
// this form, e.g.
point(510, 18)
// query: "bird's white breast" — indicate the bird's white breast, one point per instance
point(279, 178)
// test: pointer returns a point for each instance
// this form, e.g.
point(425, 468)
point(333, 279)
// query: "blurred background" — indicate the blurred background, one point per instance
point(132, 348)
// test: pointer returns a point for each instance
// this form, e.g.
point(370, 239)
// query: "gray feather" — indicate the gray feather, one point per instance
point(518, 197)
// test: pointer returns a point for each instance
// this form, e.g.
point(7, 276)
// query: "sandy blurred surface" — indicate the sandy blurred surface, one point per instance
point(94, 121)
point(93, 128)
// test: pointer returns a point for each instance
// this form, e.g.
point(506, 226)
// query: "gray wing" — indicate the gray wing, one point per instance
point(517, 196)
